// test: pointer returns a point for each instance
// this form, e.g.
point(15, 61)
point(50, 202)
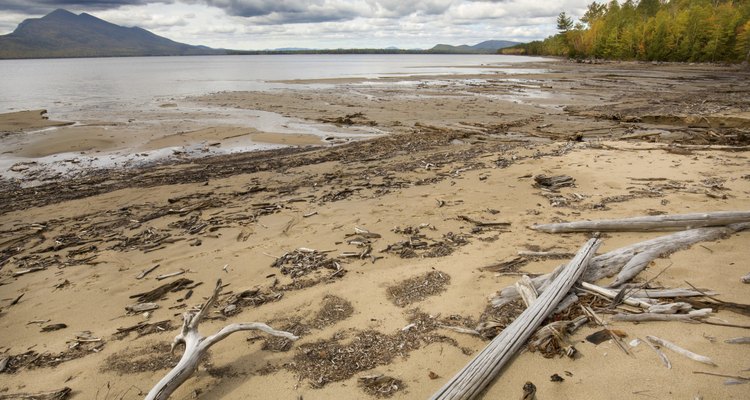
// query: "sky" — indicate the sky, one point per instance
point(319, 24)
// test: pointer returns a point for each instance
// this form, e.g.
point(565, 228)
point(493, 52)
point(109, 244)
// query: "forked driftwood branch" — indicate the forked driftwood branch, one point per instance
point(481, 370)
point(649, 223)
point(197, 345)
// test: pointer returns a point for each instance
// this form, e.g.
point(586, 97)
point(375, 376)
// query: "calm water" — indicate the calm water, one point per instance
point(85, 88)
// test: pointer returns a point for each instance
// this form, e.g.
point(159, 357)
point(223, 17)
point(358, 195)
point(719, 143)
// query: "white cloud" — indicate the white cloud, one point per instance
point(264, 24)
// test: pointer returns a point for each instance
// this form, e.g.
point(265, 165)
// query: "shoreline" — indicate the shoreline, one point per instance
point(461, 148)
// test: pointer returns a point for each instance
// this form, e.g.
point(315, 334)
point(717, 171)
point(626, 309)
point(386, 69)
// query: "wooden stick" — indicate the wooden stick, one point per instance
point(480, 371)
point(661, 355)
point(738, 340)
point(679, 350)
point(146, 272)
point(197, 345)
point(609, 293)
point(693, 316)
point(649, 223)
point(169, 275)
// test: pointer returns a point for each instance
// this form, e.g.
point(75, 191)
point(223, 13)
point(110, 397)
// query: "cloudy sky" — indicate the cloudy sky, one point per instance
point(267, 24)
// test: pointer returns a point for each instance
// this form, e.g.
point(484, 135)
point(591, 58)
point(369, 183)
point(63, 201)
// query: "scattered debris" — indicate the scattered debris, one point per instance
point(380, 385)
point(418, 288)
point(141, 307)
point(144, 328)
point(553, 183)
point(161, 291)
point(304, 262)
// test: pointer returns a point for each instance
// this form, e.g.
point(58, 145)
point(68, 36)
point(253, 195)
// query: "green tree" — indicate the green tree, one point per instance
point(593, 12)
point(564, 23)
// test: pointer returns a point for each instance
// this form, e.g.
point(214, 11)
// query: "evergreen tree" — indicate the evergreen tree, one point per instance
point(564, 23)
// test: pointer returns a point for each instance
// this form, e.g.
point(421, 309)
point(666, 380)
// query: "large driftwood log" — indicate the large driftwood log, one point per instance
point(630, 260)
point(197, 345)
point(481, 370)
point(649, 223)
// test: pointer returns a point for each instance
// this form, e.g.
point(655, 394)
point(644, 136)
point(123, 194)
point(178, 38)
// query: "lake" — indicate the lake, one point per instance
point(84, 88)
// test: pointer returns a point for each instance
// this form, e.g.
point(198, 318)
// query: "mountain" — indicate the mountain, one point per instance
point(486, 47)
point(64, 34)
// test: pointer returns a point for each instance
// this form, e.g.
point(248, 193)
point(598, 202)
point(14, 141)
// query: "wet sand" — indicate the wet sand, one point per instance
point(638, 139)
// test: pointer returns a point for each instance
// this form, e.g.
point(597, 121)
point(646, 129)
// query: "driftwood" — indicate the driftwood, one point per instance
point(197, 345)
point(628, 261)
point(661, 355)
point(527, 290)
point(481, 370)
point(649, 223)
point(693, 316)
point(146, 272)
point(611, 294)
point(679, 350)
point(161, 291)
point(51, 395)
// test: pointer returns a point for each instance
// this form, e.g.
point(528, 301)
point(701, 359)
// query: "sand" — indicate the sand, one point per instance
point(456, 148)
point(16, 122)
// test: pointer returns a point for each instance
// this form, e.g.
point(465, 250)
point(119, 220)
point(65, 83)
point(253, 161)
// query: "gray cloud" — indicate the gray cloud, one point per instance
point(317, 23)
point(45, 6)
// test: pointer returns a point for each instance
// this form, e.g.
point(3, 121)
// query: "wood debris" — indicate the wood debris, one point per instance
point(60, 394)
point(418, 288)
point(161, 291)
point(679, 350)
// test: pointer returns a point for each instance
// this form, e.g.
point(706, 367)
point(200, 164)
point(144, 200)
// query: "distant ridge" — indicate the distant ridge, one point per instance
point(61, 34)
point(64, 34)
point(486, 47)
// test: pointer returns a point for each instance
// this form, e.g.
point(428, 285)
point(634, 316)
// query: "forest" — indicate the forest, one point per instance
point(651, 30)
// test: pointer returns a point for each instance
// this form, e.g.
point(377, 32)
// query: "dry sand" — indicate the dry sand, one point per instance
point(457, 148)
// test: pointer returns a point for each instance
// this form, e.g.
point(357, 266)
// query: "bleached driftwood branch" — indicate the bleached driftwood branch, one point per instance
point(679, 350)
point(481, 370)
point(693, 316)
point(630, 260)
point(197, 345)
point(649, 223)
point(611, 294)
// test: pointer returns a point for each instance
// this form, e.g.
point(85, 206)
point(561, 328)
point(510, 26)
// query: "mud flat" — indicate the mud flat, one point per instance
point(413, 232)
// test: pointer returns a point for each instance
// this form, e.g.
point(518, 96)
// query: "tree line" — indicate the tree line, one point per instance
point(653, 30)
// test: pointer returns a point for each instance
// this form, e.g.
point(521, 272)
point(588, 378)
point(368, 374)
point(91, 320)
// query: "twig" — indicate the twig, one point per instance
point(742, 378)
point(169, 275)
point(146, 272)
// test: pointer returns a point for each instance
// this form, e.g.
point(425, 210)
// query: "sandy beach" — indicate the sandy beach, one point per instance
point(421, 160)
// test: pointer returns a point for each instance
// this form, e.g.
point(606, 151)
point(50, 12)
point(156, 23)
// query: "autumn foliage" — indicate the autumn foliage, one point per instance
point(654, 30)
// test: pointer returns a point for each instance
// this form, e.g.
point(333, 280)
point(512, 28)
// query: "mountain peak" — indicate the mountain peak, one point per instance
point(60, 13)
point(62, 33)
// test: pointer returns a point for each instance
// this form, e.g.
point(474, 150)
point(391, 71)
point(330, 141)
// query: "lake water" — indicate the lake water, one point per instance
point(127, 95)
point(81, 88)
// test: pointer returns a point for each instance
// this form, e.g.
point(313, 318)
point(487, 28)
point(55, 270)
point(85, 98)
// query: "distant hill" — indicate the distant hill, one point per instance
point(64, 34)
point(486, 47)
